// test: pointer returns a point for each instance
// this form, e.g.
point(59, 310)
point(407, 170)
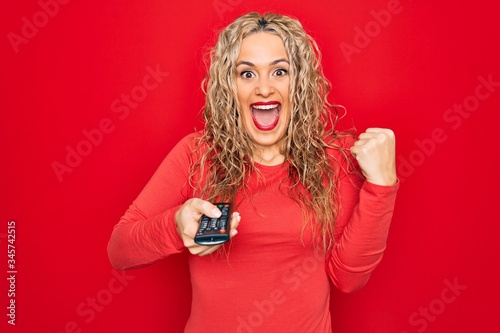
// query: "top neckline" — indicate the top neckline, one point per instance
point(271, 168)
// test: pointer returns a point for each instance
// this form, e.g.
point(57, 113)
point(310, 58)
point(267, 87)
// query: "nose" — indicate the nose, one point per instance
point(264, 87)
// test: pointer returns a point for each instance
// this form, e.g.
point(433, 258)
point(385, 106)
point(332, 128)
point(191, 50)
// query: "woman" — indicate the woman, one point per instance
point(304, 214)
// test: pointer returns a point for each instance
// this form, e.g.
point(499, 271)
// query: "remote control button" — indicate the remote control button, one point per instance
point(212, 231)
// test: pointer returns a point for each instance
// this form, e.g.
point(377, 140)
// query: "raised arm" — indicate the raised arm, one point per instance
point(366, 211)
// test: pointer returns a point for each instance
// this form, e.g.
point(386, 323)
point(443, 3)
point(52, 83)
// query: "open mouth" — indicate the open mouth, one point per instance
point(266, 115)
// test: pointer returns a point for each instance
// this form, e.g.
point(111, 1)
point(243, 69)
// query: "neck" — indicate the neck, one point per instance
point(268, 157)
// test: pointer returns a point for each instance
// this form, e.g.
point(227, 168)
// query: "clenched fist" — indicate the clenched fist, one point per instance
point(375, 151)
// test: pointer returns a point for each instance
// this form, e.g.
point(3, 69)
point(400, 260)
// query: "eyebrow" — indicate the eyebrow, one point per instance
point(248, 63)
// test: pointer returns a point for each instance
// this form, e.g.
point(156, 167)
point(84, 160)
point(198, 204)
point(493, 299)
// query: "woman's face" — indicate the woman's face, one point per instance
point(263, 87)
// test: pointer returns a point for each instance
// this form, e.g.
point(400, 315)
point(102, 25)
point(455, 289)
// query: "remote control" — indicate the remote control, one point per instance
point(214, 231)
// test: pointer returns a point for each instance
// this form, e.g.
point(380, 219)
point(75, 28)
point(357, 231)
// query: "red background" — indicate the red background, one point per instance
point(65, 77)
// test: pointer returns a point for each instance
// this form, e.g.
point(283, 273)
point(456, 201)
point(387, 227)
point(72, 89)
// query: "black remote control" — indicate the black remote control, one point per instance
point(214, 231)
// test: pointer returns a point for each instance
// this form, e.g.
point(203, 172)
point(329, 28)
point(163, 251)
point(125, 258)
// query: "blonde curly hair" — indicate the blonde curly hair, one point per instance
point(227, 149)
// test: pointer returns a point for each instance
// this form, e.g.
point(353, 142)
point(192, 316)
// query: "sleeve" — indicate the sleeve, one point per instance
point(361, 230)
point(147, 231)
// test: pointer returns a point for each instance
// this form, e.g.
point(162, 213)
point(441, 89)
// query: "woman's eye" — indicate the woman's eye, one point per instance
point(247, 74)
point(280, 72)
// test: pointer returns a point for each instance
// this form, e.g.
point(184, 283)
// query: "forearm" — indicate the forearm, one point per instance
point(147, 232)
point(361, 245)
point(139, 241)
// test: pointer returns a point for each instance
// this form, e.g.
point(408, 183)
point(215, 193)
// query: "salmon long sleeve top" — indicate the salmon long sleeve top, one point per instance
point(272, 278)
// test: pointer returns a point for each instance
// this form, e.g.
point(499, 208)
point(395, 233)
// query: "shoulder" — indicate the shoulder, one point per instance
point(189, 142)
point(185, 150)
point(191, 138)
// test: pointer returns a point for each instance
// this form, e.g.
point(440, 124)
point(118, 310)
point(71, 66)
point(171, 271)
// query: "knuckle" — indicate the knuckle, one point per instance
point(388, 132)
point(205, 205)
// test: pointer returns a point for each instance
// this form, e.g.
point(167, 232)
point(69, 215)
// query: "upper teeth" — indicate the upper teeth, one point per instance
point(265, 107)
